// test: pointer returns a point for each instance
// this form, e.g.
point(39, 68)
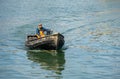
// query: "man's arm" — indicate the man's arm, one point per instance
point(48, 31)
point(37, 31)
point(44, 29)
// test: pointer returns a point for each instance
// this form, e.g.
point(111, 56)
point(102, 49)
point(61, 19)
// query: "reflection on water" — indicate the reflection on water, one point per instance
point(48, 60)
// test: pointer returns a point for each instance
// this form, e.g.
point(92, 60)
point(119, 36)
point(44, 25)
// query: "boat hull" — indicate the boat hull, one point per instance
point(50, 42)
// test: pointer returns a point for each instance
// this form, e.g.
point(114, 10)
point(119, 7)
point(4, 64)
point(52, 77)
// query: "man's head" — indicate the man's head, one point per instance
point(40, 26)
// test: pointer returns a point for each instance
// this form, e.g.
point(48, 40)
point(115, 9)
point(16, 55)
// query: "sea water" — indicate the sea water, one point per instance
point(92, 39)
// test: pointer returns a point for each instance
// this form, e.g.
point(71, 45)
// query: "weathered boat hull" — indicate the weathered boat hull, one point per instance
point(50, 42)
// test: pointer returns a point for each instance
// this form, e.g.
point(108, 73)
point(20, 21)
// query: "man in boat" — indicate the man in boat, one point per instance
point(40, 31)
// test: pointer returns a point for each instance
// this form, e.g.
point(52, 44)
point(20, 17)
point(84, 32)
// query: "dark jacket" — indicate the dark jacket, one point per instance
point(43, 29)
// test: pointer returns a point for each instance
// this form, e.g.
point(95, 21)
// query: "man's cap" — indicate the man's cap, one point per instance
point(39, 24)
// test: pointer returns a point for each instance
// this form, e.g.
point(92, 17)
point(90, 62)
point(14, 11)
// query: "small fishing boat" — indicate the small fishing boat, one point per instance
point(49, 42)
